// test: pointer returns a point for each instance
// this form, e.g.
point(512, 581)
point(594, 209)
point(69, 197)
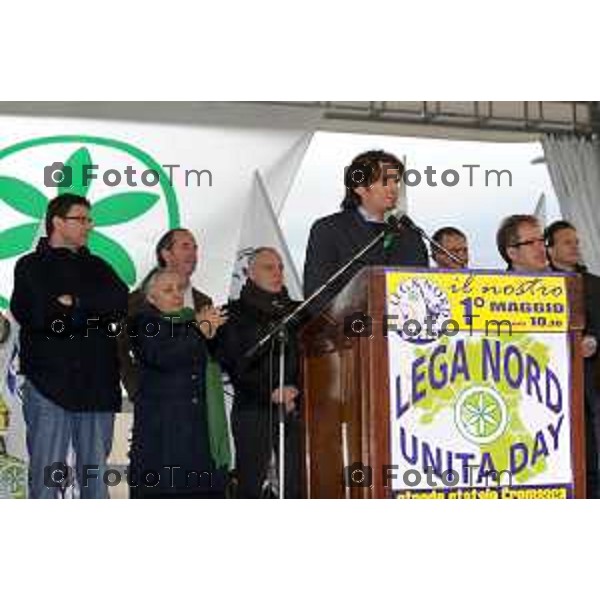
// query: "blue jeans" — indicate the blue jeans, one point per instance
point(50, 431)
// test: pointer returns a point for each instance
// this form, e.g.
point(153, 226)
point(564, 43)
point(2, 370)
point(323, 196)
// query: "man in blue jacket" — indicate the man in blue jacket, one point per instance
point(65, 300)
point(562, 245)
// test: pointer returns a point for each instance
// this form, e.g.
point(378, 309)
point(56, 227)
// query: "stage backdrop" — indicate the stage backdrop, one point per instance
point(142, 180)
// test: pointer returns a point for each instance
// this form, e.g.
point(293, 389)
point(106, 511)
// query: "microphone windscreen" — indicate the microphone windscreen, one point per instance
point(393, 221)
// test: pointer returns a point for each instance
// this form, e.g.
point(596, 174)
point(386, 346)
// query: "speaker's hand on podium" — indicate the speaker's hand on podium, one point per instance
point(289, 398)
point(589, 346)
point(66, 300)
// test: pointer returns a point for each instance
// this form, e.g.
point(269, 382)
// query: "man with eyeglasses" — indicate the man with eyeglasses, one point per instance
point(455, 241)
point(521, 243)
point(65, 299)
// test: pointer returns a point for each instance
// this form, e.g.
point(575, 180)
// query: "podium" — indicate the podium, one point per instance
point(390, 412)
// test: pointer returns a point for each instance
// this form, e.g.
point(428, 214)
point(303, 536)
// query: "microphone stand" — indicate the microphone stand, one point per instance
point(280, 334)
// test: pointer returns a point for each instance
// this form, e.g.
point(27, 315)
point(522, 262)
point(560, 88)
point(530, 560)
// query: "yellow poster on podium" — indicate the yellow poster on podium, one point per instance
point(479, 386)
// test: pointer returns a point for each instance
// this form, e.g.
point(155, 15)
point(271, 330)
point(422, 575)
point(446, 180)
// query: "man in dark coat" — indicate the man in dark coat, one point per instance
point(264, 301)
point(64, 299)
point(372, 183)
point(564, 254)
point(522, 244)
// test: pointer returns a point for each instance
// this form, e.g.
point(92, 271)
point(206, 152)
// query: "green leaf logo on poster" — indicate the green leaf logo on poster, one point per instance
point(481, 415)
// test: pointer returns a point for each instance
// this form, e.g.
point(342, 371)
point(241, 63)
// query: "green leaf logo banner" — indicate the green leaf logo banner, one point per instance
point(115, 213)
point(75, 167)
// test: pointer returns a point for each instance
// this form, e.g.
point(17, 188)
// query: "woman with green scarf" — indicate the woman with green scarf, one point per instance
point(180, 446)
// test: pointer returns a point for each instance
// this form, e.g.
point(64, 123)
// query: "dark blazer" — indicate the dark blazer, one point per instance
point(591, 299)
point(591, 302)
point(591, 293)
point(336, 238)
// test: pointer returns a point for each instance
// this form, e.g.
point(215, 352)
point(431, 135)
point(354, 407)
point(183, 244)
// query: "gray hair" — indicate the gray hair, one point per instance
point(153, 278)
point(258, 251)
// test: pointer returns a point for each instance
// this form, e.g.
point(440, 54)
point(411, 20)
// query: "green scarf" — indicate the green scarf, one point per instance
point(218, 430)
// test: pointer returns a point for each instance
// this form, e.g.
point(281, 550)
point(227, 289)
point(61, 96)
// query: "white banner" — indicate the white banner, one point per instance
point(206, 184)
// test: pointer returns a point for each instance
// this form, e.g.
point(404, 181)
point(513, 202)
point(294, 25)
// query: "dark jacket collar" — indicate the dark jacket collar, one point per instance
point(581, 269)
point(267, 303)
point(44, 247)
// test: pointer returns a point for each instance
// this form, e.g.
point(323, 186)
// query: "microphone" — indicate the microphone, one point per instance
point(396, 224)
point(403, 221)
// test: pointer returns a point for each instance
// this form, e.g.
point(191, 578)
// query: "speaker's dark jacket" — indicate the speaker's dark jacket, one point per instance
point(336, 238)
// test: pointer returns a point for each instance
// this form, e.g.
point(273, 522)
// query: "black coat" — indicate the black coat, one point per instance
point(129, 369)
point(336, 238)
point(254, 380)
point(79, 373)
point(591, 302)
point(591, 295)
point(170, 414)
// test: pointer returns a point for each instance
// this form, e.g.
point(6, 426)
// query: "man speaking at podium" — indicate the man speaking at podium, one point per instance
point(372, 185)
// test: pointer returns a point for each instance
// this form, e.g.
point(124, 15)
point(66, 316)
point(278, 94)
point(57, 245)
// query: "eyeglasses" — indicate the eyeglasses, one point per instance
point(529, 243)
point(80, 220)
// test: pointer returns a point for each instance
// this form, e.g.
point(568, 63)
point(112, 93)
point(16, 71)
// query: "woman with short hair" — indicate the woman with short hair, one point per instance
point(180, 446)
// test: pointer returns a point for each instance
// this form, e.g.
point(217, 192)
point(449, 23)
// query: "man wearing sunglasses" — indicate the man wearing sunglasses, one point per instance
point(65, 299)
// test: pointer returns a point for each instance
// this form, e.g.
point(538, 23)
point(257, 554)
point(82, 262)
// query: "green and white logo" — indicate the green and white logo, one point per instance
point(128, 219)
point(481, 415)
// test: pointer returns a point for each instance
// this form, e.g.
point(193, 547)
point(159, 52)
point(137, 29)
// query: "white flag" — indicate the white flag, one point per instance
point(261, 228)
